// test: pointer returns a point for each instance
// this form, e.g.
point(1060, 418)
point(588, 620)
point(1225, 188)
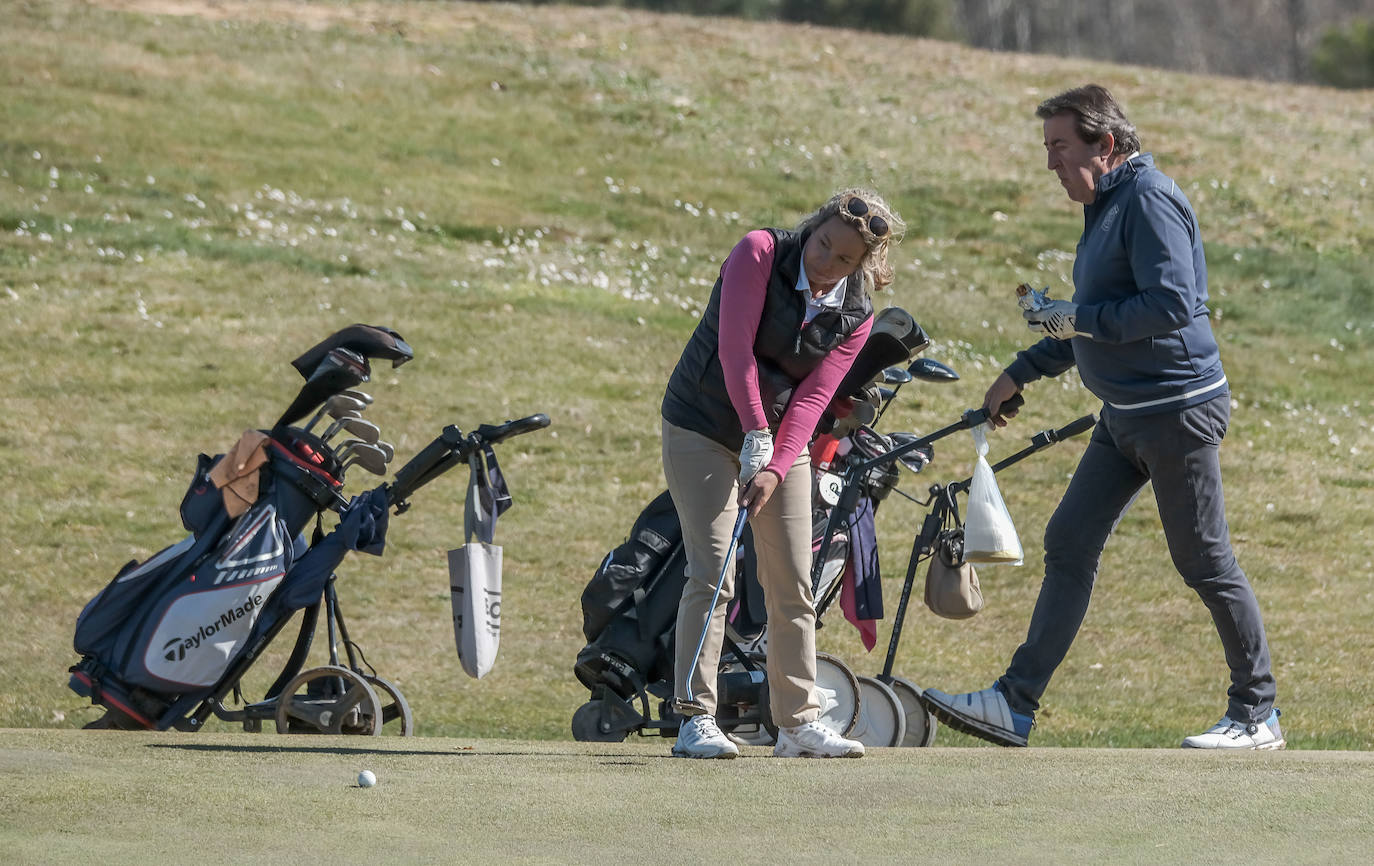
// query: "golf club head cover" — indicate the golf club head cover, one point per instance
point(340, 368)
point(370, 341)
point(894, 339)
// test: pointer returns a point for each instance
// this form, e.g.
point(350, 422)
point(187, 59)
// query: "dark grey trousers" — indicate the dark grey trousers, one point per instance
point(1177, 452)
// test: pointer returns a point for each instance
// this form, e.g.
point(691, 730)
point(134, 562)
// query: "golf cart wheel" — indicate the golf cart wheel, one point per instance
point(837, 689)
point(329, 700)
point(587, 727)
point(882, 718)
point(394, 707)
point(760, 729)
point(920, 724)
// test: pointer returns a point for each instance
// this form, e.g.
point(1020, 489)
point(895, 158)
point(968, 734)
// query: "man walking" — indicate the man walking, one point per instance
point(1137, 329)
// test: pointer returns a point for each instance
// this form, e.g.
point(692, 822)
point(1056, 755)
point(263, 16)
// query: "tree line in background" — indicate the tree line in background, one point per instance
point(1327, 42)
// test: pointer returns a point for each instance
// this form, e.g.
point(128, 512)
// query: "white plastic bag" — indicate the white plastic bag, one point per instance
point(989, 535)
point(475, 571)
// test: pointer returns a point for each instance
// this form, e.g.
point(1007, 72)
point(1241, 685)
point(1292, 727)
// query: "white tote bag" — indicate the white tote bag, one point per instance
point(989, 535)
point(475, 569)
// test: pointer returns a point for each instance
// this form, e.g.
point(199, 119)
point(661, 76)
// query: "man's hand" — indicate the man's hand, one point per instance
point(757, 493)
point(1002, 390)
point(757, 451)
point(1059, 319)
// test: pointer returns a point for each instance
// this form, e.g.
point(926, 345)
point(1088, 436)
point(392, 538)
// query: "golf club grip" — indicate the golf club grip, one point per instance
point(493, 434)
point(1073, 428)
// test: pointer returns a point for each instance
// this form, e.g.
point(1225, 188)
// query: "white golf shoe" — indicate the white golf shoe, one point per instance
point(815, 740)
point(1231, 734)
point(985, 715)
point(700, 737)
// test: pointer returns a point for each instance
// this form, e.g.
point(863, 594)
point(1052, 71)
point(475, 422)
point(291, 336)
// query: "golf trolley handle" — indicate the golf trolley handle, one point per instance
point(492, 434)
point(850, 490)
point(970, 419)
point(451, 448)
point(1043, 439)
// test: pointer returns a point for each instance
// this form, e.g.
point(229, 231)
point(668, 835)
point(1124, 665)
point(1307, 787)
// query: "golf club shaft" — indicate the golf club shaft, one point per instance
point(315, 419)
point(711, 611)
point(883, 408)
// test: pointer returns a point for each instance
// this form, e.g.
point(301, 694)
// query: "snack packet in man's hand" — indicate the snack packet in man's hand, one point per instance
point(1031, 300)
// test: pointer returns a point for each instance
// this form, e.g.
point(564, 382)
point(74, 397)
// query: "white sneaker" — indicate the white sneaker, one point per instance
point(985, 715)
point(815, 740)
point(700, 737)
point(1231, 734)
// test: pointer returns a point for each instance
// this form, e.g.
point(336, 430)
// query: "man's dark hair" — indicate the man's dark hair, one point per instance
point(1098, 113)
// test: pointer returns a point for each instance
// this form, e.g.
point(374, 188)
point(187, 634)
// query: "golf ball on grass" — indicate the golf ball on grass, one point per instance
point(366, 779)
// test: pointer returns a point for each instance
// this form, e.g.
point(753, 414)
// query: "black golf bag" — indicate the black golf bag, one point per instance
point(629, 608)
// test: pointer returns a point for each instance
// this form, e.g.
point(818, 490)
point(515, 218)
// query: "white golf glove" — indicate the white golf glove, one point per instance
point(1059, 319)
point(757, 451)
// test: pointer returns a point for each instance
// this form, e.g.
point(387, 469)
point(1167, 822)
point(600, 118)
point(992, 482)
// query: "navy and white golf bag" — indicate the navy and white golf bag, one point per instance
point(165, 633)
point(184, 625)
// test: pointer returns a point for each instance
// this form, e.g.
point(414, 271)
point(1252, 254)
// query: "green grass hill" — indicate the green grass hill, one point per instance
point(539, 198)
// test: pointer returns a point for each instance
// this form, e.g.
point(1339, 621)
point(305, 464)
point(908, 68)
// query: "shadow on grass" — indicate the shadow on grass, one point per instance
point(457, 752)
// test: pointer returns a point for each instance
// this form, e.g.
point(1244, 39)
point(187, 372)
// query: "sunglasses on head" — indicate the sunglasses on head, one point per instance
point(858, 208)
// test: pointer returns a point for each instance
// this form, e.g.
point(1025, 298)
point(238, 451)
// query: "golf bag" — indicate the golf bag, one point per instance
point(165, 634)
point(629, 608)
point(168, 638)
point(160, 637)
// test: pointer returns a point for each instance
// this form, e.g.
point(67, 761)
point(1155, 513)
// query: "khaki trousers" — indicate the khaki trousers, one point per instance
point(703, 478)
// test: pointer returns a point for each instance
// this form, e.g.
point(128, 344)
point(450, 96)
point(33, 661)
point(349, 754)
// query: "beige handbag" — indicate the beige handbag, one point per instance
point(952, 589)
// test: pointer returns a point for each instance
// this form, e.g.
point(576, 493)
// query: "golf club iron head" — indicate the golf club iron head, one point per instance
point(357, 395)
point(339, 416)
point(369, 457)
point(346, 448)
point(335, 405)
point(386, 449)
point(361, 429)
point(916, 459)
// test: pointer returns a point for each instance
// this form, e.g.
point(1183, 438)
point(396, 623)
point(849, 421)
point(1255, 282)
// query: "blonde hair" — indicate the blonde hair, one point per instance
point(877, 272)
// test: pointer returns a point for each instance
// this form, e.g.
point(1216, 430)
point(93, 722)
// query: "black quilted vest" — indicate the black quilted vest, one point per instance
point(786, 351)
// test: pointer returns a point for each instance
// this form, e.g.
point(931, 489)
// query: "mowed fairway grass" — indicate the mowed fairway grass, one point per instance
point(539, 198)
point(222, 798)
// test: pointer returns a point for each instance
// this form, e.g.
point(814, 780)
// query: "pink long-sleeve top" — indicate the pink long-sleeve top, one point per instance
point(744, 284)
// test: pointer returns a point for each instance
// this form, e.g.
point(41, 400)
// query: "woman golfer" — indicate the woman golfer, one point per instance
point(786, 319)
